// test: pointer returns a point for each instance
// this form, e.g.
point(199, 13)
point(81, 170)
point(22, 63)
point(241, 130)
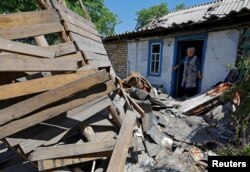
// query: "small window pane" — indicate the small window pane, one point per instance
point(156, 48)
point(153, 57)
point(152, 67)
point(157, 67)
point(157, 56)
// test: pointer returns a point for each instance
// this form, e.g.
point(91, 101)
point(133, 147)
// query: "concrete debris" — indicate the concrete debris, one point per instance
point(160, 138)
point(178, 142)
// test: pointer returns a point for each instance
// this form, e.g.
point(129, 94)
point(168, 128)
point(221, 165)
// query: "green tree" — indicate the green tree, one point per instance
point(146, 15)
point(12, 6)
point(104, 19)
point(180, 6)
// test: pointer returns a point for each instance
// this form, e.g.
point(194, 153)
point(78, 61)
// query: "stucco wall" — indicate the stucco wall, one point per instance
point(221, 50)
point(138, 60)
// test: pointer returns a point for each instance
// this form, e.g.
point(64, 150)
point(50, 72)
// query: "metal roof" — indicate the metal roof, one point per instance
point(196, 14)
point(201, 13)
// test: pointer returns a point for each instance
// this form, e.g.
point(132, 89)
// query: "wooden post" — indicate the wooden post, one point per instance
point(115, 115)
point(119, 155)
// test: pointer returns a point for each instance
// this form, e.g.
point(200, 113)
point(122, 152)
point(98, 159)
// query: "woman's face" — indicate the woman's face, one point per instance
point(190, 52)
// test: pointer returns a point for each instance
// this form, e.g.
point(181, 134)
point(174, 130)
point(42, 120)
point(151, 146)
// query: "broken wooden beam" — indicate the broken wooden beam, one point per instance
point(27, 106)
point(22, 48)
point(120, 152)
point(135, 106)
point(39, 85)
point(72, 150)
point(115, 115)
point(26, 63)
point(61, 162)
point(46, 114)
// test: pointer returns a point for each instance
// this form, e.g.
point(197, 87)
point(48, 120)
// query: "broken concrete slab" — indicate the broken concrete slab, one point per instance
point(152, 148)
point(194, 120)
point(160, 138)
point(138, 94)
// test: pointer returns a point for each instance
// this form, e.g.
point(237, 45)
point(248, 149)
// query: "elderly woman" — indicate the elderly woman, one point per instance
point(191, 73)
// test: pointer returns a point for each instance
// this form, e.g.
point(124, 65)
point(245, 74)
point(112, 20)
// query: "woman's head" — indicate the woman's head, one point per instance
point(190, 51)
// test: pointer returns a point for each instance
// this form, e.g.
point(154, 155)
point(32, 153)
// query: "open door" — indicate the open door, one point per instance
point(181, 48)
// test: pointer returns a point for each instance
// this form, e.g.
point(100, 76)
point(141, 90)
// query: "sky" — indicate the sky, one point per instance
point(126, 9)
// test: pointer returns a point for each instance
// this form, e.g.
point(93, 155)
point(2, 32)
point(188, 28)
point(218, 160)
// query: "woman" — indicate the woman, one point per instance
point(191, 73)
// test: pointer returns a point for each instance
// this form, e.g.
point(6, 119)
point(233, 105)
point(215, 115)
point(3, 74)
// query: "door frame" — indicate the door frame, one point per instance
point(195, 37)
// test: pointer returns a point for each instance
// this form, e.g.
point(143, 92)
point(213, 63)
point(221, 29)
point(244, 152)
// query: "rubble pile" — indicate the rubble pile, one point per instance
point(179, 136)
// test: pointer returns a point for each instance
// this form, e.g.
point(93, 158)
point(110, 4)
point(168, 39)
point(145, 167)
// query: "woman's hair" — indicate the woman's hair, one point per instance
point(191, 48)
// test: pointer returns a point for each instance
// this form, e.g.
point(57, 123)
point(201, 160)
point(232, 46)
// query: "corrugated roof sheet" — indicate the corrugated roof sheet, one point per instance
point(197, 14)
point(201, 13)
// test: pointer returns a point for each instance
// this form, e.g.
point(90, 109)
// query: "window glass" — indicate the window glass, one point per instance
point(156, 48)
point(155, 58)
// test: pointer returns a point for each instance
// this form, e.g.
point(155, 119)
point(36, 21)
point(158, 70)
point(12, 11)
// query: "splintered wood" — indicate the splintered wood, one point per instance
point(57, 102)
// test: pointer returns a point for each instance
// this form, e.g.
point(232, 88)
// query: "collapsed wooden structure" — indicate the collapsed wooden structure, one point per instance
point(51, 93)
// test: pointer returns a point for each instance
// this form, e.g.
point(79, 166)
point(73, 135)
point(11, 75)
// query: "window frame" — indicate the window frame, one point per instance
point(150, 55)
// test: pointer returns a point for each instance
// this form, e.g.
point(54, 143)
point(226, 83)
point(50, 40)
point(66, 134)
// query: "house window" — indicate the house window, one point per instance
point(155, 55)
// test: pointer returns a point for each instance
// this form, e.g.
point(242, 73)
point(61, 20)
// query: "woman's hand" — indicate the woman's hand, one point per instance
point(199, 76)
point(174, 68)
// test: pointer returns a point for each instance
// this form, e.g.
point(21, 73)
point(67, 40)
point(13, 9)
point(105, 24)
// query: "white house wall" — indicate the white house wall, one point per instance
point(142, 61)
point(220, 51)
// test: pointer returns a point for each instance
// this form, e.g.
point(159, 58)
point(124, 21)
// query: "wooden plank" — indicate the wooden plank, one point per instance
point(18, 47)
point(31, 31)
point(65, 125)
point(27, 106)
point(88, 133)
point(67, 18)
point(44, 4)
point(41, 41)
point(63, 9)
point(85, 106)
point(18, 125)
point(87, 45)
point(72, 28)
point(63, 48)
point(14, 20)
point(119, 155)
point(72, 112)
point(135, 106)
point(20, 137)
point(38, 85)
point(96, 57)
point(97, 60)
point(24, 63)
point(115, 115)
point(71, 150)
point(61, 162)
point(89, 112)
point(187, 106)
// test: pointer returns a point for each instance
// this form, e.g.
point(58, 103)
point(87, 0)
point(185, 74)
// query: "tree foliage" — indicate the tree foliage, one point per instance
point(242, 87)
point(104, 19)
point(180, 6)
point(146, 15)
point(12, 6)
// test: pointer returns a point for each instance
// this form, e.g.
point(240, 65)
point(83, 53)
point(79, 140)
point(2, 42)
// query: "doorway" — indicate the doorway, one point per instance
point(181, 45)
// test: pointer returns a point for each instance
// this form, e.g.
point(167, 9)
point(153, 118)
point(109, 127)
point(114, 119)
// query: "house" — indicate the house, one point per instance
point(215, 29)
